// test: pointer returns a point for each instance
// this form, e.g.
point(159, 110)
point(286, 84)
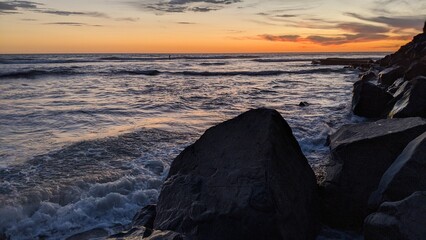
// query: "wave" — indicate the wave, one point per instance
point(36, 72)
point(278, 60)
point(147, 72)
point(89, 184)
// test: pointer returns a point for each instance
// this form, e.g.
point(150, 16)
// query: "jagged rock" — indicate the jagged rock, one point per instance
point(360, 154)
point(416, 69)
point(245, 178)
point(395, 86)
point(145, 217)
point(402, 220)
point(388, 76)
point(369, 100)
point(369, 75)
point(406, 175)
point(413, 101)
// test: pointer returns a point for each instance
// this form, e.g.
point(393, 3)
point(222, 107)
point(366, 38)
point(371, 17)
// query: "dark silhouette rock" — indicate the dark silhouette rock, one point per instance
point(303, 104)
point(413, 101)
point(416, 69)
point(402, 220)
point(388, 76)
point(424, 28)
point(145, 217)
point(406, 175)
point(369, 100)
point(407, 54)
point(368, 76)
point(245, 178)
point(344, 61)
point(360, 154)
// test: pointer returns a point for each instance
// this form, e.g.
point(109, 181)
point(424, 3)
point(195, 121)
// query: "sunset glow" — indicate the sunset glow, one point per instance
point(208, 26)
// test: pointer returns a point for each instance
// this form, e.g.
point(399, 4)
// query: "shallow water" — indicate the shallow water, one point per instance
point(86, 140)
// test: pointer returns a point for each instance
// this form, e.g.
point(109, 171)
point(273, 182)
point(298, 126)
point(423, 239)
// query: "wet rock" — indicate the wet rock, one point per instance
point(388, 76)
point(369, 100)
point(360, 155)
point(406, 175)
point(395, 86)
point(402, 220)
point(413, 102)
point(303, 104)
point(145, 217)
point(245, 178)
point(90, 234)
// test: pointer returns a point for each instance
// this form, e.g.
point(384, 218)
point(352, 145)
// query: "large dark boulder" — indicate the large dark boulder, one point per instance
point(360, 154)
point(245, 178)
point(369, 100)
point(406, 175)
point(413, 101)
point(388, 76)
point(416, 69)
point(402, 220)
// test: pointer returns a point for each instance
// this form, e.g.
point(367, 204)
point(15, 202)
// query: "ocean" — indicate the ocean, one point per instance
point(86, 140)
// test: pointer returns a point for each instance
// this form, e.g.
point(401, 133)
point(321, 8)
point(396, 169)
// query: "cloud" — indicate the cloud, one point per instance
point(73, 24)
point(401, 22)
point(73, 13)
point(10, 7)
point(362, 28)
point(180, 6)
point(185, 23)
point(280, 38)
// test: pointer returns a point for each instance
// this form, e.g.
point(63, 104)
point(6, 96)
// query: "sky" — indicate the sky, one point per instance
point(207, 26)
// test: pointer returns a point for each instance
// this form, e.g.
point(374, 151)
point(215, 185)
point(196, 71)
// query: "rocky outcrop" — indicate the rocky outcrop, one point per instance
point(360, 154)
point(245, 178)
point(369, 100)
point(412, 101)
point(344, 61)
point(406, 175)
point(388, 76)
point(401, 72)
point(402, 220)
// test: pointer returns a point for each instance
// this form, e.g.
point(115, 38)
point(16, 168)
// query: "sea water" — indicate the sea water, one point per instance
point(87, 140)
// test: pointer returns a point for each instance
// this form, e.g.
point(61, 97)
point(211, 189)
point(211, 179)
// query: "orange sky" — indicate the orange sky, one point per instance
point(188, 26)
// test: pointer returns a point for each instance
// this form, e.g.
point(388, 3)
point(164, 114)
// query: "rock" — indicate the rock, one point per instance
point(424, 28)
point(303, 104)
point(367, 76)
point(245, 178)
point(344, 61)
point(395, 86)
point(95, 233)
point(388, 76)
point(416, 69)
point(360, 155)
point(140, 233)
point(413, 101)
point(402, 220)
point(145, 217)
point(406, 175)
point(369, 100)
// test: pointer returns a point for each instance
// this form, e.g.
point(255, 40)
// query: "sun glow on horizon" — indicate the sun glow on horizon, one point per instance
point(189, 26)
